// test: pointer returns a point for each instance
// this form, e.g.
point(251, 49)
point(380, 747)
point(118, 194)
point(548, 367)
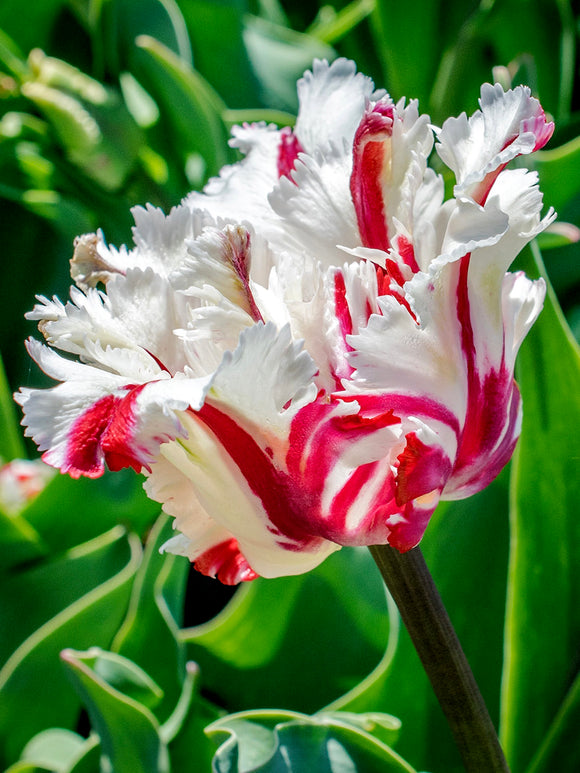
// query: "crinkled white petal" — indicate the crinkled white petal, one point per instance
point(492, 137)
point(317, 209)
point(522, 301)
point(332, 100)
point(240, 192)
point(266, 380)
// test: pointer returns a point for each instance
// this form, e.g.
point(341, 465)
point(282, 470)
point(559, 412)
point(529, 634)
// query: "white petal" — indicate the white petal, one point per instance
point(509, 124)
point(332, 100)
point(316, 209)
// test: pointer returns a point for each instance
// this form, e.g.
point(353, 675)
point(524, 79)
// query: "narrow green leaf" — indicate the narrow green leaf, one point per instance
point(11, 440)
point(31, 682)
point(330, 25)
point(562, 735)
point(149, 634)
point(185, 100)
point(129, 733)
point(543, 614)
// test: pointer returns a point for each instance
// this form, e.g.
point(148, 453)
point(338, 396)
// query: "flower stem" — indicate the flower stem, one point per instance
point(411, 586)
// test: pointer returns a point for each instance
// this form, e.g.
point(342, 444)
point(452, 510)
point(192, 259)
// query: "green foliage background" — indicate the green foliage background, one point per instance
point(113, 657)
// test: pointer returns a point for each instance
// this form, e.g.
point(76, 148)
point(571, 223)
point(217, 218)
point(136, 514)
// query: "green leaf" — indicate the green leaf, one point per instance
point(69, 512)
point(11, 443)
point(90, 120)
point(330, 25)
point(544, 572)
point(149, 634)
point(287, 742)
point(124, 676)
point(279, 56)
point(31, 682)
point(46, 589)
point(409, 51)
point(210, 23)
point(19, 542)
point(55, 749)
point(185, 100)
point(118, 23)
point(297, 642)
point(184, 731)
point(562, 735)
point(129, 733)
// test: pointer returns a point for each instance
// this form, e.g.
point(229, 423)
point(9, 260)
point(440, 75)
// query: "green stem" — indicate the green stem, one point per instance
point(411, 586)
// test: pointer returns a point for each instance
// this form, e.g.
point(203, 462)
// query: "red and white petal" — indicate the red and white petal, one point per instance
point(509, 124)
point(332, 99)
point(241, 490)
point(222, 259)
point(390, 153)
point(211, 548)
point(415, 359)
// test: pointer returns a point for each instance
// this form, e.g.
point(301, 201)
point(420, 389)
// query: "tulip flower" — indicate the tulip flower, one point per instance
point(317, 348)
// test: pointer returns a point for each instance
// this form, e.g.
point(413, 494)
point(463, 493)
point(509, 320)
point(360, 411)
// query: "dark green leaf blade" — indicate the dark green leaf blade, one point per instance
point(544, 574)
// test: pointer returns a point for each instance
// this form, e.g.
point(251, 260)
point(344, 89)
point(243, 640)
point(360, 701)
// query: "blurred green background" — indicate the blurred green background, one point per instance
point(105, 104)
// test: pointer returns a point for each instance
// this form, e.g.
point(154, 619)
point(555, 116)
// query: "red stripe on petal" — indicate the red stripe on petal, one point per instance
point(288, 151)
point(421, 469)
point(226, 563)
point(236, 251)
point(102, 434)
point(371, 163)
point(287, 506)
point(84, 454)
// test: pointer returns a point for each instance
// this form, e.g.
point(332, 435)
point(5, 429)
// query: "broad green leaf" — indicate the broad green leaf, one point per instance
point(128, 731)
point(31, 681)
point(89, 759)
point(286, 742)
point(297, 642)
point(210, 24)
point(465, 542)
point(190, 107)
point(559, 170)
point(46, 589)
point(149, 634)
point(408, 50)
point(69, 512)
point(11, 444)
point(279, 56)
point(543, 615)
point(55, 749)
point(19, 543)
